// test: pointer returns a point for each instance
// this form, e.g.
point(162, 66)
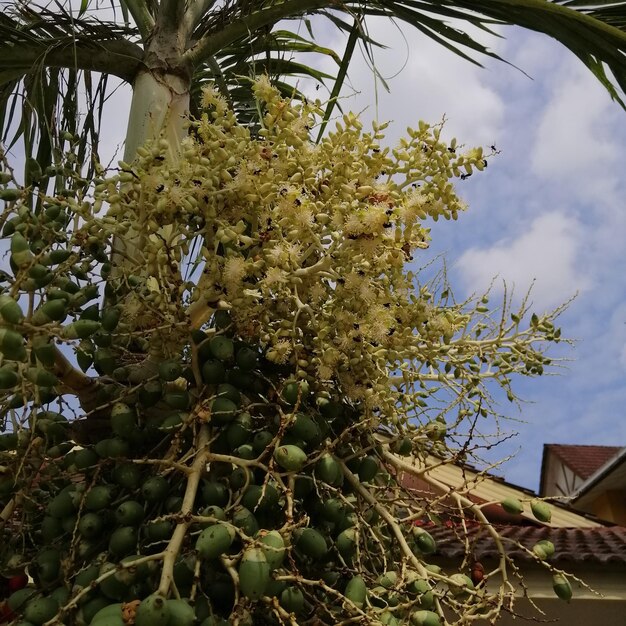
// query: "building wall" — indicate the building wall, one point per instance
point(610, 506)
point(560, 479)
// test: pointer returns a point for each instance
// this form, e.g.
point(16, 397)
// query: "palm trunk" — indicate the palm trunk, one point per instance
point(158, 109)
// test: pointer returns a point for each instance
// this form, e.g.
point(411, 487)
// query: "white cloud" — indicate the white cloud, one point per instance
point(546, 252)
point(573, 136)
point(425, 81)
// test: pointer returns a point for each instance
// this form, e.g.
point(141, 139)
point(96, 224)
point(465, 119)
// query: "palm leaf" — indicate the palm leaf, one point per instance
point(45, 63)
point(271, 53)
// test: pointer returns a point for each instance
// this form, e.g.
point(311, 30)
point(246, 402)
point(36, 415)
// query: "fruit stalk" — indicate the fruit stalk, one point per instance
point(193, 481)
point(463, 504)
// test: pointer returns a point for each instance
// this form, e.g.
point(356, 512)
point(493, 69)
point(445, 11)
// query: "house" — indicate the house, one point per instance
point(591, 478)
point(588, 546)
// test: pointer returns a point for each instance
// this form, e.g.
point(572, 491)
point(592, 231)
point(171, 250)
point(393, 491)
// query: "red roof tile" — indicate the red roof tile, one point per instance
point(583, 460)
point(592, 545)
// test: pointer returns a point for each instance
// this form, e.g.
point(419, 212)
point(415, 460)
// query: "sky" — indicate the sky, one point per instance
point(549, 211)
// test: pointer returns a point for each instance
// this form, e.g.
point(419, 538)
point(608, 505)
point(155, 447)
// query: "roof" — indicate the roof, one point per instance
point(600, 545)
point(583, 460)
point(484, 487)
point(610, 476)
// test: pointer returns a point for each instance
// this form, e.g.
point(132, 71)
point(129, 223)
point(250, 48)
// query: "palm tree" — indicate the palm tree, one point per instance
point(283, 408)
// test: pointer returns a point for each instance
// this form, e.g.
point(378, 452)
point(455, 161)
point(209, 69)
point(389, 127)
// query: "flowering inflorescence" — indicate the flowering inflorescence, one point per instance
point(307, 245)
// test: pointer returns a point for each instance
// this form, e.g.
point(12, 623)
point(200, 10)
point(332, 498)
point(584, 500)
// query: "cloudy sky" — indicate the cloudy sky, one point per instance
point(550, 208)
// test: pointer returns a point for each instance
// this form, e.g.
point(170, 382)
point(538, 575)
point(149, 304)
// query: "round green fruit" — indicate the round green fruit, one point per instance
point(245, 520)
point(40, 610)
point(111, 318)
point(290, 458)
point(260, 496)
point(214, 540)
point(261, 440)
point(273, 546)
point(18, 599)
point(129, 513)
point(150, 393)
point(333, 510)
point(247, 358)
point(246, 451)
point(181, 613)
point(127, 475)
point(310, 542)
point(425, 618)
point(86, 576)
point(110, 615)
point(123, 541)
point(51, 528)
point(85, 458)
point(328, 470)
point(223, 410)
point(544, 549)
point(215, 512)
point(170, 370)
point(112, 448)
point(459, 584)
point(347, 542)
point(98, 498)
point(10, 310)
point(424, 540)
point(155, 489)
point(512, 506)
point(89, 610)
point(153, 611)
point(254, 573)
point(292, 391)
point(292, 600)
point(541, 511)
point(214, 492)
point(123, 420)
point(8, 378)
point(368, 468)
point(49, 565)
point(158, 531)
point(90, 525)
point(356, 591)
point(110, 586)
point(229, 392)
point(178, 400)
point(305, 428)
point(562, 587)
point(238, 431)
point(213, 372)
point(402, 447)
point(222, 348)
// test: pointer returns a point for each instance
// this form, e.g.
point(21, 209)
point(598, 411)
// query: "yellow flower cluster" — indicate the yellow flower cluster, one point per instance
point(307, 243)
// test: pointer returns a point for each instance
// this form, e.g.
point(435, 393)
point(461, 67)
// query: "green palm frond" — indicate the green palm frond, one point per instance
point(270, 52)
point(593, 30)
point(63, 40)
point(49, 98)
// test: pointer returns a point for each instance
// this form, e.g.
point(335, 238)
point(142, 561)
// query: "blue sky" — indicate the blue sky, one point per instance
point(551, 207)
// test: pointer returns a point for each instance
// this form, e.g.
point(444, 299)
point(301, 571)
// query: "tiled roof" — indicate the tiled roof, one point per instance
point(583, 460)
point(591, 545)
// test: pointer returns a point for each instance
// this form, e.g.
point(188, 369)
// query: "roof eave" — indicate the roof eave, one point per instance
point(601, 473)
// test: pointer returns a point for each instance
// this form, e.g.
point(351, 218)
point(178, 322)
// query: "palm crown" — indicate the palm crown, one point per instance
point(50, 56)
